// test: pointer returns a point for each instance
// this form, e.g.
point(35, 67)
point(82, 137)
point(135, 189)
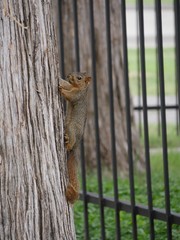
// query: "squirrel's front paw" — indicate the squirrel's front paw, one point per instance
point(60, 88)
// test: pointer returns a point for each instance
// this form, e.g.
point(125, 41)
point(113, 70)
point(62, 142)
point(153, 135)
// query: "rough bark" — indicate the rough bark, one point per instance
point(32, 156)
point(102, 80)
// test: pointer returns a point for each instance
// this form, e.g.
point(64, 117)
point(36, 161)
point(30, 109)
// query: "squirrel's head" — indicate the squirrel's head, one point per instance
point(79, 79)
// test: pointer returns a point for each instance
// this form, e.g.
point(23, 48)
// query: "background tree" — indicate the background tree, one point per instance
point(102, 79)
point(32, 159)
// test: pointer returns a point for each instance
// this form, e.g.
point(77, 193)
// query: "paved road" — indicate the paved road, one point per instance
point(150, 27)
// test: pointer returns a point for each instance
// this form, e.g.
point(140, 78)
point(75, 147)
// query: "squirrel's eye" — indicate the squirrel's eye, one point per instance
point(79, 78)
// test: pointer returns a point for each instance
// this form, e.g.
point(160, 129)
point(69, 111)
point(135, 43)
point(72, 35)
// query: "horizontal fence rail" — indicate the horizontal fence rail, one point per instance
point(160, 107)
point(157, 213)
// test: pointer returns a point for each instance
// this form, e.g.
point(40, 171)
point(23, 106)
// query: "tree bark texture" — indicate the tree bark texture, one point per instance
point(102, 80)
point(32, 156)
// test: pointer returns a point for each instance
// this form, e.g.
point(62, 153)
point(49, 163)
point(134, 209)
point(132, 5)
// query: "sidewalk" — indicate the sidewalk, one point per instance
point(150, 27)
point(171, 114)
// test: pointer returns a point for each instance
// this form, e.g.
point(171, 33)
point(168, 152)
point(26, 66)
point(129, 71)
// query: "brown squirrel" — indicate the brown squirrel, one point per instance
point(74, 90)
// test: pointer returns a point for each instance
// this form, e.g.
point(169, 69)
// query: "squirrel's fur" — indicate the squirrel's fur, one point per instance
point(74, 90)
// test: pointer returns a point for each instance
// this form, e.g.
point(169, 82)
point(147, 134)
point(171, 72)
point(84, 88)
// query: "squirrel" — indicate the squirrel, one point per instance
point(74, 89)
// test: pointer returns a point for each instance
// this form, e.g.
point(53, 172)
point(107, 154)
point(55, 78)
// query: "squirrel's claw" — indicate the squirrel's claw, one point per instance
point(66, 141)
point(60, 87)
point(66, 138)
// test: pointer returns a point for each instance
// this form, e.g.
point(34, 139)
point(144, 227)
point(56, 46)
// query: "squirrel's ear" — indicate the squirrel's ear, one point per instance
point(88, 79)
point(84, 73)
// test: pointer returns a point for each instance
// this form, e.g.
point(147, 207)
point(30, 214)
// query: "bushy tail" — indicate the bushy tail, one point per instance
point(72, 190)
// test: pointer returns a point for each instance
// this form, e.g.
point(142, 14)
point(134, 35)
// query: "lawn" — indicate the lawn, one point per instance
point(141, 197)
point(156, 160)
point(151, 71)
point(155, 139)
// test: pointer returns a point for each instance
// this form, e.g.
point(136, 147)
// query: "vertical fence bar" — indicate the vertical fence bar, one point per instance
point(177, 102)
point(96, 118)
point(145, 116)
point(61, 40)
point(111, 103)
point(76, 33)
point(177, 49)
point(138, 69)
point(83, 167)
point(157, 81)
point(84, 192)
point(158, 94)
point(128, 119)
point(163, 116)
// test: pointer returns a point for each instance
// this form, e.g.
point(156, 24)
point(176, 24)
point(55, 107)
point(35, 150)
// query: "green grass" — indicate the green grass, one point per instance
point(156, 160)
point(155, 137)
point(151, 71)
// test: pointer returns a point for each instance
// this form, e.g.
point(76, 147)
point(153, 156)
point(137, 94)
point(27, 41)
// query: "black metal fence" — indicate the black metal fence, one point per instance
point(143, 109)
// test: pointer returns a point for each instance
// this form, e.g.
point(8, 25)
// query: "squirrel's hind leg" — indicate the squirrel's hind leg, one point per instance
point(69, 140)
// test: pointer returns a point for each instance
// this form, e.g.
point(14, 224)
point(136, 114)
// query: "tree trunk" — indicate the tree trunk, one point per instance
point(32, 156)
point(102, 80)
